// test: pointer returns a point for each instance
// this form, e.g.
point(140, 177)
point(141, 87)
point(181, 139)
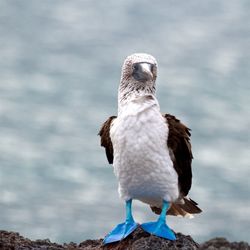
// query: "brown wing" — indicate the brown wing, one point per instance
point(106, 140)
point(180, 152)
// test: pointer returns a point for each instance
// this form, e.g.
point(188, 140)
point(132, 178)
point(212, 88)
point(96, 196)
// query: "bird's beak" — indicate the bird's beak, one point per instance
point(146, 70)
point(143, 72)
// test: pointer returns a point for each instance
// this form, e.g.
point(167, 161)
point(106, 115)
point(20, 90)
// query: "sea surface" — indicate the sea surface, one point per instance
point(60, 64)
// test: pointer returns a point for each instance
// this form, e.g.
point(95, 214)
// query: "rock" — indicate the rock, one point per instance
point(223, 244)
point(14, 241)
point(139, 240)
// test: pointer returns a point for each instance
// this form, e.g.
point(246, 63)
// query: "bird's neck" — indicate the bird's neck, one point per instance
point(130, 91)
point(127, 95)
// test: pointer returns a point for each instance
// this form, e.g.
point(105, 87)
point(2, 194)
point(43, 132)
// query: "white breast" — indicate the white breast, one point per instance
point(141, 158)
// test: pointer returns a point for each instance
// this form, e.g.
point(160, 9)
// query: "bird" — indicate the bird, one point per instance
point(150, 152)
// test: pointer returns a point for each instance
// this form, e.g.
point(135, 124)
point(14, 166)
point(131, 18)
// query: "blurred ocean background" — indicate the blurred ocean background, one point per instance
point(60, 65)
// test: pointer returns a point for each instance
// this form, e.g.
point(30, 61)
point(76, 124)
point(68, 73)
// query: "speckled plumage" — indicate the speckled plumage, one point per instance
point(130, 88)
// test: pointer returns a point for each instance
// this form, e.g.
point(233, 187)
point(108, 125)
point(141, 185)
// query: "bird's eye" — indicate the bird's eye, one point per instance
point(153, 67)
point(135, 66)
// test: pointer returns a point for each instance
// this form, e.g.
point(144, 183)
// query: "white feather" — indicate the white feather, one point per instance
point(142, 162)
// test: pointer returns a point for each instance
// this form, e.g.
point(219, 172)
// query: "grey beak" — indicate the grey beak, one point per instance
point(142, 71)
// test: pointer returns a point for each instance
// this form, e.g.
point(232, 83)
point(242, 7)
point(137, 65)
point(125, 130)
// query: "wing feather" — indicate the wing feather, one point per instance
point(106, 140)
point(180, 152)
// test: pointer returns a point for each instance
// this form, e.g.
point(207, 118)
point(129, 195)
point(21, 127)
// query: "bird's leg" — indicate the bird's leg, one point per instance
point(122, 230)
point(160, 228)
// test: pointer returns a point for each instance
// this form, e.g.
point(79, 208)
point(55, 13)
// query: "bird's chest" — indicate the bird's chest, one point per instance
point(140, 144)
point(139, 137)
point(142, 162)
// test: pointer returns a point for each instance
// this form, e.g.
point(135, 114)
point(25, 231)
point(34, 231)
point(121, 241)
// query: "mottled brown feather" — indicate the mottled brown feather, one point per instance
point(106, 140)
point(188, 207)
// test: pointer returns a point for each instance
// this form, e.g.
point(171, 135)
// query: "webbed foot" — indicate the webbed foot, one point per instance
point(159, 229)
point(120, 232)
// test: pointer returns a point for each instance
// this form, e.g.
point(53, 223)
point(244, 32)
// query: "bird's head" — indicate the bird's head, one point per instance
point(139, 72)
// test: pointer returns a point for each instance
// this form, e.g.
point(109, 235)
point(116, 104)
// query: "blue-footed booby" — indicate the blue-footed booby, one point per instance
point(150, 152)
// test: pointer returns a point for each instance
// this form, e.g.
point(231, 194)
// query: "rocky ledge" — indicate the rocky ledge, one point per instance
point(139, 240)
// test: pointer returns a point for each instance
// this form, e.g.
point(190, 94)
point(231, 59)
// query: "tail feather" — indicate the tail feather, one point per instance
point(176, 210)
point(185, 208)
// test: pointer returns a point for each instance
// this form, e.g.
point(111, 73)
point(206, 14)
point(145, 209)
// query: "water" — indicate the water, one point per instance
point(60, 68)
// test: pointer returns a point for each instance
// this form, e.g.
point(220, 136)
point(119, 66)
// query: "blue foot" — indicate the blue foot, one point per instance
point(159, 229)
point(120, 232)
